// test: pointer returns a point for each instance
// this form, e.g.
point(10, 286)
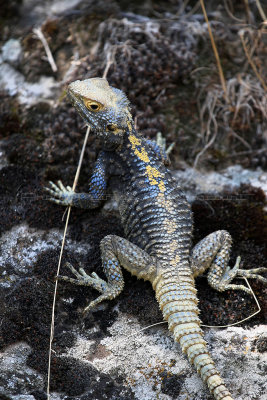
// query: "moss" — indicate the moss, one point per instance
point(242, 213)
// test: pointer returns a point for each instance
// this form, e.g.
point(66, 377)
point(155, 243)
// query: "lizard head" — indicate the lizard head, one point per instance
point(104, 108)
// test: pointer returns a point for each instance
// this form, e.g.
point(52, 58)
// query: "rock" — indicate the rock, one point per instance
point(12, 51)
point(195, 182)
point(28, 93)
point(16, 377)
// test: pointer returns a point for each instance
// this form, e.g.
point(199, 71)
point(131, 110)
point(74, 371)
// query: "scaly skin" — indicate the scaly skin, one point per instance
point(157, 221)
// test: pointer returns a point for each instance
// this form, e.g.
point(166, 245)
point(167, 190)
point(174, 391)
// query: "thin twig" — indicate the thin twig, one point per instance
point(147, 327)
point(243, 153)
point(110, 60)
point(253, 66)
point(229, 12)
point(204, 149)
point(242, 320)
point(213, 326)
point(263, 16)
point(242, 140)
point(59, 264)
point(247, 10)
point(216, 54)
point(38, 32)
point(193, 10)
point(252, 49)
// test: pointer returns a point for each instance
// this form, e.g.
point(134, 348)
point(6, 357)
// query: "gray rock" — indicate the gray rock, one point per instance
point(28, 93)
point(12, 51)
point(16, 377)
point(196, 182)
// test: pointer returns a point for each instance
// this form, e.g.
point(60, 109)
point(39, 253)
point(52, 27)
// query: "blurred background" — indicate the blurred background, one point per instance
point(159, 53)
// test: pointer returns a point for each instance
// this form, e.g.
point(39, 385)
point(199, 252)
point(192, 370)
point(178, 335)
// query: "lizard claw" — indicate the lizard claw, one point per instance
point(236, 272)
point(253, 273)
point(82, 278)
point(59, 193)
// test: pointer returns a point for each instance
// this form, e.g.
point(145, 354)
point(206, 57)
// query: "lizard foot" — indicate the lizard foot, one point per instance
point(236, 272)
point(60, 194)
point(107, 290)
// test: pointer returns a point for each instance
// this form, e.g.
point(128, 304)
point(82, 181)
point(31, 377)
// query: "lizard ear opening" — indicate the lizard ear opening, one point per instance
point(111, 127)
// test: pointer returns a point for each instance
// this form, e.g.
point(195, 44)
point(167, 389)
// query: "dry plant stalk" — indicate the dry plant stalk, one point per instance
point(215, 51)
point(59, 264)
point(251, 62)
point(244, 319)
point(239, 97)
point(262, 14)
point(38, 32)
point(246, 97)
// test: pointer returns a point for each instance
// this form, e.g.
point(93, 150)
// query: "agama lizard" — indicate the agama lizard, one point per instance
point(157, 221)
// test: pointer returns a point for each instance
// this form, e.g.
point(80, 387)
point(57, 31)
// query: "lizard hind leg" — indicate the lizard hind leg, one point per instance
point(108, 289)
point(213, 253)
point(115, 252)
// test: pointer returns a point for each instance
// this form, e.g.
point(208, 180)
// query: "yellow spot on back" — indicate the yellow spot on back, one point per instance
point(129, 126)
point(142, 154)
point(152, 174)
point(162, 186)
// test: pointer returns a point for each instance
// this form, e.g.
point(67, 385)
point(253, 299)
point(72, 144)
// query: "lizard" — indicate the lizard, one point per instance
point(157, 222)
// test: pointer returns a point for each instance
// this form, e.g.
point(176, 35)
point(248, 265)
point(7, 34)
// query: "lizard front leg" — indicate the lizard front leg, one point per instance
point(213, 253)
point(115, 252)
point(97, 188)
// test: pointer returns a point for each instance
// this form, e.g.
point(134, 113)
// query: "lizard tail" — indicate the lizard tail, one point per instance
point(178, 302)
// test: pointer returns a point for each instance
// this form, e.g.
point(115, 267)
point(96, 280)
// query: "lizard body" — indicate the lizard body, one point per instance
point(157, 221)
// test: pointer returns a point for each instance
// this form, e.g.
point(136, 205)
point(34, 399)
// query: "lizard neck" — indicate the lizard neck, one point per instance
point(136, 153)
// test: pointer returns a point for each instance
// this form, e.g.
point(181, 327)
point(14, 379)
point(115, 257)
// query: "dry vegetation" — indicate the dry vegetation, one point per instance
point(192, 70)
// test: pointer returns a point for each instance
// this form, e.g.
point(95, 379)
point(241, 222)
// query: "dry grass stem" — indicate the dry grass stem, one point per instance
point(247, 10)
point(246, 99)
point(215, 51)
point(231, 15)
point(242, 320)
point(263, 16)
point(110, 59)
point(193, 10)
point(253, 46)
point(59, 264)
point(38, 32)
point(242, 140)
point(251, 62)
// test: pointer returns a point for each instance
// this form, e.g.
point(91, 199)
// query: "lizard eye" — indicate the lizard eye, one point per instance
point(112, 127)
point(93, 106)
